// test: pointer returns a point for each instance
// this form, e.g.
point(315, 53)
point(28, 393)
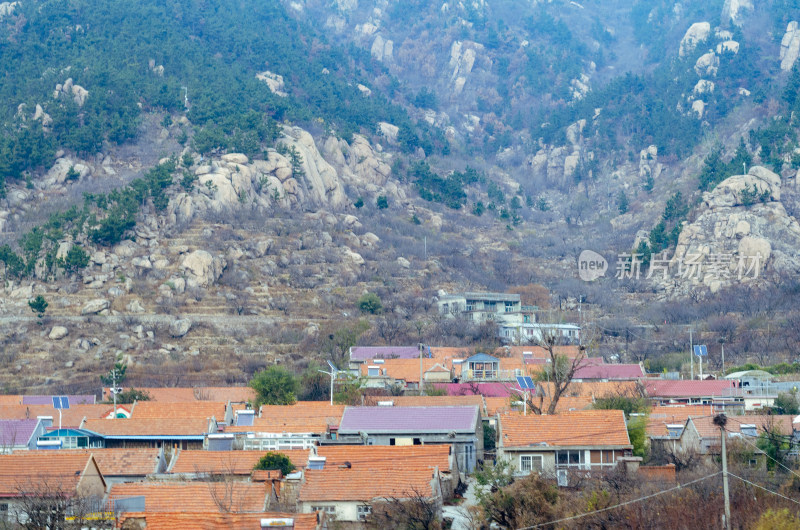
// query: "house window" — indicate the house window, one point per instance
point(3, 511)
point(509, 307)
point(570, 458)
point(363, 511)
point(330, 511)
point(528, 463)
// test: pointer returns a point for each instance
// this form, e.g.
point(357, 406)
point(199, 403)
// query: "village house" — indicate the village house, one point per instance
point(557, 444)
point(721, 394)
point(404, 373)
point(701, 436)
point(282, 427)
point(500, 308)
point(60, 483)
point(19, 435)
point(460, 427)
point(177, 432)
point(348, 482)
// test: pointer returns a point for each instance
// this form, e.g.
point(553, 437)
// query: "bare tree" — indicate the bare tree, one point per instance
point(558, 372)
point(413, 511)
point(48, 504)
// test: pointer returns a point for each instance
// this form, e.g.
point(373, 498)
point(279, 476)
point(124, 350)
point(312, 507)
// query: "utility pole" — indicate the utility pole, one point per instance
point(720, 421)
point(691, 352)
point(722, 345)
point(113, 389)
point(421, 391)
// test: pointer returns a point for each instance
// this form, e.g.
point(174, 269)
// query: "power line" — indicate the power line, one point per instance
point(770, 457)
point(763, 488)
point(640, 499)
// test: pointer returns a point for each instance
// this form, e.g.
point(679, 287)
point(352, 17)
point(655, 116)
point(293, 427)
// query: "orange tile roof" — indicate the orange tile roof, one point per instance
point(659, 417)
point(215, 520)
point(230, 462)
point(501, 405)
point(70, 417)
point(303, 416)
point(10, 399)
point(32, 471)
point(365, 482)
point(428, 401)
point(537, 352)
point(187, 394)
point(595, 428)
point(122, 462)
point(782, 422)
point(195, 496)
point(406, 457)
point(403, 369)
point(148, 426)
point(192, 409)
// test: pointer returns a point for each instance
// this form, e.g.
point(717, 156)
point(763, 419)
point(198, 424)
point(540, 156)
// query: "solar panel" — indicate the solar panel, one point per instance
point(60, 402)
point(700, 350)
point(525, 382)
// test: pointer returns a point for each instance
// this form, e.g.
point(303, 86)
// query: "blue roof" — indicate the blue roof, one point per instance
point(482, 358)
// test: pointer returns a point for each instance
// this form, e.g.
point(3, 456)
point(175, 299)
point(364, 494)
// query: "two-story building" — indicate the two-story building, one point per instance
point(482, 307)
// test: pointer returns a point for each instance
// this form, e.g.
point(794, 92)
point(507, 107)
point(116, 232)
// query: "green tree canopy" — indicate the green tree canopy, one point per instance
point(275, 386)
point(277, 461)
point(370, 303)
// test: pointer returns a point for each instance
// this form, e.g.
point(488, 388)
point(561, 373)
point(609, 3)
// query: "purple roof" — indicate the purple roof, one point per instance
point(610, 371)
point(408, 419)
point(86, 399)
point(366, 353)
point(16, 432)
point(480, 389)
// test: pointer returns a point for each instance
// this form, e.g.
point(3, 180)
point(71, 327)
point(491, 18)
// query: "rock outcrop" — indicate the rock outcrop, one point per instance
point(462, 60)
point(697, 32)
point(7, 9)
point(382, 49)
point(69, 88)
point(733, 10)
point(274, 82)
point(790, 46)
point(742, 233)
point(202, 269)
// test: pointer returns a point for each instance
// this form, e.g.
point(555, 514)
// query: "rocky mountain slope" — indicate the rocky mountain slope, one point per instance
point(221, 199)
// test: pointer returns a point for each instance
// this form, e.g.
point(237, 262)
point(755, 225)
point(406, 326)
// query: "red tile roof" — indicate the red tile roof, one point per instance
point(427, 401)
point(660, 417)
point(587, 428)
point(230, 462)
point(402, 369)
point(782, 422)
point(192, 409)
point(412, 456)
point(31, 472)
point(187, 394)
point(214, 520)
point(364, 482)
point(303, 416)
point(70, 417)
point(148, 426)
point(195, 496)
point(620, 372)
point(122, 462)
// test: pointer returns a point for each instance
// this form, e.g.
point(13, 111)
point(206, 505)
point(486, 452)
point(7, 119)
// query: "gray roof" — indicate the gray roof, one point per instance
point(482, 358)
point(421, 420)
